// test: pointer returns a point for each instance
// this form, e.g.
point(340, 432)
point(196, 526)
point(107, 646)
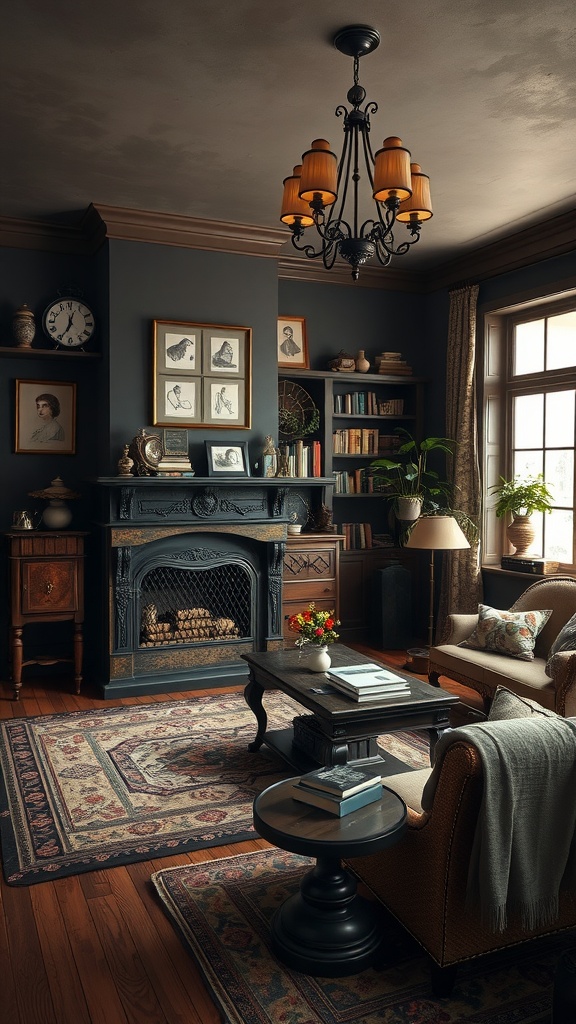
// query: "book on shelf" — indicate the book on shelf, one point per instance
point(340, 780)
point(336, 805)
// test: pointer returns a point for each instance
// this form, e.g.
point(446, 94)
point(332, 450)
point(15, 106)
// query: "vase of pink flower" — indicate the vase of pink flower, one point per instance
point(316, 632)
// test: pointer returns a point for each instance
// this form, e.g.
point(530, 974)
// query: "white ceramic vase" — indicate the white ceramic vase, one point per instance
point(318, 659)
point(408, 509)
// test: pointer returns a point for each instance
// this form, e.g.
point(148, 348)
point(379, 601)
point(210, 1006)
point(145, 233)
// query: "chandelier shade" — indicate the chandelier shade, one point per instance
point(324, 191)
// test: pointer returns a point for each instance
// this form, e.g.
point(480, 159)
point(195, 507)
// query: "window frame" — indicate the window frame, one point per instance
point(498, 387)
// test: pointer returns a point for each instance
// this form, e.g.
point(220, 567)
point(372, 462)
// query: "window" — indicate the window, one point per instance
point(530, 420)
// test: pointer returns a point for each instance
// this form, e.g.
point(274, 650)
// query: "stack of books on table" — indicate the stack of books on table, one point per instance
point(368, 682)
point(339, 789)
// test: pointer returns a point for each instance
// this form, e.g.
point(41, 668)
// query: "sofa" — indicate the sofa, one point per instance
point(423, 879)
point(483, 670)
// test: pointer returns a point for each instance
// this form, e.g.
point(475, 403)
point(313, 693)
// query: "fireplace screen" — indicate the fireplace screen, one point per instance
point(196, 605)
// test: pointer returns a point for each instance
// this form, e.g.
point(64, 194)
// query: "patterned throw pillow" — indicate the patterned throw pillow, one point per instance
point(565, 641)
point(511, 633)
point(507, 704)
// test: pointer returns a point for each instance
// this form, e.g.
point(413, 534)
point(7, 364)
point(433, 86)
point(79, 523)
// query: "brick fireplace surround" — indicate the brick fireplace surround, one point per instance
point(192, 578)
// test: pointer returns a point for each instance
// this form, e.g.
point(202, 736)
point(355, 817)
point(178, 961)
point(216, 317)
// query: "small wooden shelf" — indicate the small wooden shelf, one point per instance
point(45, 353)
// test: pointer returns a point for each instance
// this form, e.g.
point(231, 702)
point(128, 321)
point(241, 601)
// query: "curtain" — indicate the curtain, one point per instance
point(461, 581)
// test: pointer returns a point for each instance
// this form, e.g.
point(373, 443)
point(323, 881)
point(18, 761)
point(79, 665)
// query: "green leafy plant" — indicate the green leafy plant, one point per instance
point(522, 496)
point(408, 475)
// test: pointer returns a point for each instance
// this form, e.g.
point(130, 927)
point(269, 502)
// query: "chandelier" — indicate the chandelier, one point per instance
point(322, 189)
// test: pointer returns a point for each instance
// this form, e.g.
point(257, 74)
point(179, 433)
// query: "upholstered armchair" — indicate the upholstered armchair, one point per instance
point(484, 670)
point(422, 880)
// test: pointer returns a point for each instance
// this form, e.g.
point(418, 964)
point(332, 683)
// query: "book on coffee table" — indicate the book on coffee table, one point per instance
point(368, 682)
point(334, 804)
point(341, 780)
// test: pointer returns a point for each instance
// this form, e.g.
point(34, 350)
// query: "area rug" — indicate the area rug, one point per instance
point(93, 789)
point(222, 912)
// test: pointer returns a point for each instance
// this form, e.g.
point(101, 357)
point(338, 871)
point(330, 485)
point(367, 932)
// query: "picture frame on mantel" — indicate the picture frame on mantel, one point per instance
point(45, 417)
point(292, 343)
point(202, 375)
point(227, 459)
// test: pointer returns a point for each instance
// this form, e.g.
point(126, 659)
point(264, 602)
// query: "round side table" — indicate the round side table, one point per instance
point(326, 929)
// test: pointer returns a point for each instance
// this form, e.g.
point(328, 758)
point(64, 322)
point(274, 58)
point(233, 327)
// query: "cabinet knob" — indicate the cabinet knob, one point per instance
point(49, 588)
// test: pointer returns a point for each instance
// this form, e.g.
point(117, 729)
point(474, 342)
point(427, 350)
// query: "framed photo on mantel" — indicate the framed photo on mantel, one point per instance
point(201, 375)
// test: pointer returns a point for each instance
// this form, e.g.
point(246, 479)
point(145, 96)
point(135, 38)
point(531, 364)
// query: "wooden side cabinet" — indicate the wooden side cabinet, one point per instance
point(46, 585)
point(311, 573)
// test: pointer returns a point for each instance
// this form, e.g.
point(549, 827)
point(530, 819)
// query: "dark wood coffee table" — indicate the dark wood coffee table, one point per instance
point(326, 928)
point(338, 729)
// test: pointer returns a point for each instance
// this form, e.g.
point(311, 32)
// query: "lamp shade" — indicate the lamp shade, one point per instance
point(57, 490)
point(294, 209)
point(437, 533)
point(319, 173)
point(392, 171)
point(419, 206)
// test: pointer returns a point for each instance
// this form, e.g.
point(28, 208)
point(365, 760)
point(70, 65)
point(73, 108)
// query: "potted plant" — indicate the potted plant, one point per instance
point(521, 497)
point(407, 479)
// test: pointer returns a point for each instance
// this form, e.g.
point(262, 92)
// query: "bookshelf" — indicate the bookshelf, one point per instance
point(358, 413)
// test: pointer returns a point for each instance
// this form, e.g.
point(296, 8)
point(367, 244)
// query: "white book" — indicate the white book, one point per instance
point(360, 677)
point(372, 695)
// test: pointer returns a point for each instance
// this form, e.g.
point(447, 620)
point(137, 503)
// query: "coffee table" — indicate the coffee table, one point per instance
point(338, 730)
point(326, 928)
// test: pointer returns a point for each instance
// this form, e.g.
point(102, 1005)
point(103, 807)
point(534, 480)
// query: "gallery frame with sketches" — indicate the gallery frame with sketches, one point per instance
point(227, 459)
point(201, 375)
point(292, 342)
point(45, 417)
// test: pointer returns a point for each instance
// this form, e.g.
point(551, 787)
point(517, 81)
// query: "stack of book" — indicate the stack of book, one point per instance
point(393, 364)
point(368, 682)
point(339, 789)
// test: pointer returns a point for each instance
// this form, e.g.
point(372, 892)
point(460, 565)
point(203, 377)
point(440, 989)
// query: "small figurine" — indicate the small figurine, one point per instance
point(125, 463)
point(323, 520)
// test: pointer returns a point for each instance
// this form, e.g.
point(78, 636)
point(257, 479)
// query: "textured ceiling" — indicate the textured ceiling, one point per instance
point(202, 108)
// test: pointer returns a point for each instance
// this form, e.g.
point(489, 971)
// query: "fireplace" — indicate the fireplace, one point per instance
point(193, 579)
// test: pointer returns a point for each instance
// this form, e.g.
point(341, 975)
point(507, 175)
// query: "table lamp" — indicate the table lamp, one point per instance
point(436, 533)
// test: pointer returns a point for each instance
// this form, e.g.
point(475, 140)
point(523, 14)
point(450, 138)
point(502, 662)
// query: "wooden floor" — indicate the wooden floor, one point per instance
point(97, 948)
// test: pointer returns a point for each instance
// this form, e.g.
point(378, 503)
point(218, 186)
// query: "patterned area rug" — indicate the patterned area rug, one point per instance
point(94, 789)
point(222, 911)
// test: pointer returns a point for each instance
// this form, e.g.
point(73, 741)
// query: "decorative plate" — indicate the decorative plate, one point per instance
point(298, 416)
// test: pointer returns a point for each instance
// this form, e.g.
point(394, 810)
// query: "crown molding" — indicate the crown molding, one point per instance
point(298, 268)
point(190, 232)
point(552, 237)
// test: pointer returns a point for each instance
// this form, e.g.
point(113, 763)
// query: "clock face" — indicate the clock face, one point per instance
point(69, 322)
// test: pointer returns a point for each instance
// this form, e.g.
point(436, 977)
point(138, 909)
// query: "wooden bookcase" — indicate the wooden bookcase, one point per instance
point(356, 566)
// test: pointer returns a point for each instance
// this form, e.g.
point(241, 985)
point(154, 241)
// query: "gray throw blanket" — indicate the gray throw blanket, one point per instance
point(524, 849)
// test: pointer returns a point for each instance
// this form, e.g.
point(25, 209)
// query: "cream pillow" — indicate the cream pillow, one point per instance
point(510, 633)
point(507, 704)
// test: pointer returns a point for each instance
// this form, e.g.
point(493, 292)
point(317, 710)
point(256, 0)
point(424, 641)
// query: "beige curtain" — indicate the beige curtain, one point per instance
point(461, 581)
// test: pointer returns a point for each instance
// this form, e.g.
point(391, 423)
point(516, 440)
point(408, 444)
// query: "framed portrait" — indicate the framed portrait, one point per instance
point(292, 342)
point(45, 417)
point(227, 459)
point(188, 359)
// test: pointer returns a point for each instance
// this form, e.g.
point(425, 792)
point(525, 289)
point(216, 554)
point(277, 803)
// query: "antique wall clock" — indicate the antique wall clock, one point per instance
point(68, 322)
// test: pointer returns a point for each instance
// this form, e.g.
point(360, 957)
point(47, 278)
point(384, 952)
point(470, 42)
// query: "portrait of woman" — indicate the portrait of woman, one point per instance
point(47, 410)
point(45, 416)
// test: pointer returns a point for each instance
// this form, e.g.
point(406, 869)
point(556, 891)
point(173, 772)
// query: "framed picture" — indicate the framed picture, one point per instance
point(188, 360)
point(45, 417)
point(227, 459)
point(292, 342)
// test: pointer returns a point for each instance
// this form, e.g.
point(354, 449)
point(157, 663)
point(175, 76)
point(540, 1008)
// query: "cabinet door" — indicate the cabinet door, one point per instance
point(49, 587)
